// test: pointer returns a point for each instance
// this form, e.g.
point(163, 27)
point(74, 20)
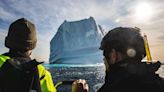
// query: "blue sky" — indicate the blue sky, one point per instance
point(49, 14)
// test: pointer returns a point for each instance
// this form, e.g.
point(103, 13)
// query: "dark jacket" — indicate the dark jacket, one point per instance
point(133, 76)
point(19, 74)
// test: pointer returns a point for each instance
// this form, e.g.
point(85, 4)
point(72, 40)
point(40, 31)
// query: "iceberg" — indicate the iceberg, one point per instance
point(76, 42)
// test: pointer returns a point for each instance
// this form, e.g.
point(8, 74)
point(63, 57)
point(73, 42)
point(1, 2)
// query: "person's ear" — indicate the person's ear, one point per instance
point(113, 55)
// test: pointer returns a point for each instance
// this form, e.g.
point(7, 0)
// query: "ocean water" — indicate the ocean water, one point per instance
point(93, 74)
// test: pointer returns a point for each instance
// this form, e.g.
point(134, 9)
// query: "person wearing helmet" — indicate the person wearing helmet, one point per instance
point(123, 49)
point(18, 72)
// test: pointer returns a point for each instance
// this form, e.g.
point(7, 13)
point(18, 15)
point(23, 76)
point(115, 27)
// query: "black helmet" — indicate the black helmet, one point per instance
point(21, 35)
point(122, 39)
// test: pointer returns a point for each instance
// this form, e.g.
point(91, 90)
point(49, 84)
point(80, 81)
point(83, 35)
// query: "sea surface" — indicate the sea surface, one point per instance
point(93, 74)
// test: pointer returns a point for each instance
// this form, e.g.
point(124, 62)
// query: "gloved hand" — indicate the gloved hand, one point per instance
point(155, 66)
point(80, 86)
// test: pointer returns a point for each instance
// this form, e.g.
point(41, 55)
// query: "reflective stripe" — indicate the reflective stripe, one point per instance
point(3, 59)
point(46, 83)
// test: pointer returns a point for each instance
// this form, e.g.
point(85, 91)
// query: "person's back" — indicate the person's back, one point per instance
point(124, 49)
point(133, 77)
point(18, 72)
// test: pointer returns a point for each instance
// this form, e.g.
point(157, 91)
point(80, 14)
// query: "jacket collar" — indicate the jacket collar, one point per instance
point(128, 69)
point(15, 54)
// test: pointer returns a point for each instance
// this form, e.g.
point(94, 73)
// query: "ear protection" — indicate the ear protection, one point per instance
point(131, 52)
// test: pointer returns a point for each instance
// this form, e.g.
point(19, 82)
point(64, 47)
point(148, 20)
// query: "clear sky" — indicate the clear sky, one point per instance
point(49, 14)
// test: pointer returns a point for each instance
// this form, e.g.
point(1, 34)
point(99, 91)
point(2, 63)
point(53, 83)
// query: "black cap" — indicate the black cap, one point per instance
point(21, 35)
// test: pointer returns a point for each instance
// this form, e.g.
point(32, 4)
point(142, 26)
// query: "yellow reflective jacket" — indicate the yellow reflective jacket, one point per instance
point(46, 83)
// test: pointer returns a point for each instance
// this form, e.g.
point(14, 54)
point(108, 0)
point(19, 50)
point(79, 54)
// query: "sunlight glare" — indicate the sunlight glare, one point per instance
point(143, 11)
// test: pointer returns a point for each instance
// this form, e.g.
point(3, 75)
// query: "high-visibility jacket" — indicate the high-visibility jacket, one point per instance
point(46, 83)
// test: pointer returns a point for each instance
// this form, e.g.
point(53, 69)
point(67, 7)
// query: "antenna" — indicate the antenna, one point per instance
point(102, 30)
point(149, 59)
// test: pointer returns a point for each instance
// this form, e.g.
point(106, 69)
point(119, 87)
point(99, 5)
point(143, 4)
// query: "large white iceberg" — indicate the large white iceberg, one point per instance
point(76, 42)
